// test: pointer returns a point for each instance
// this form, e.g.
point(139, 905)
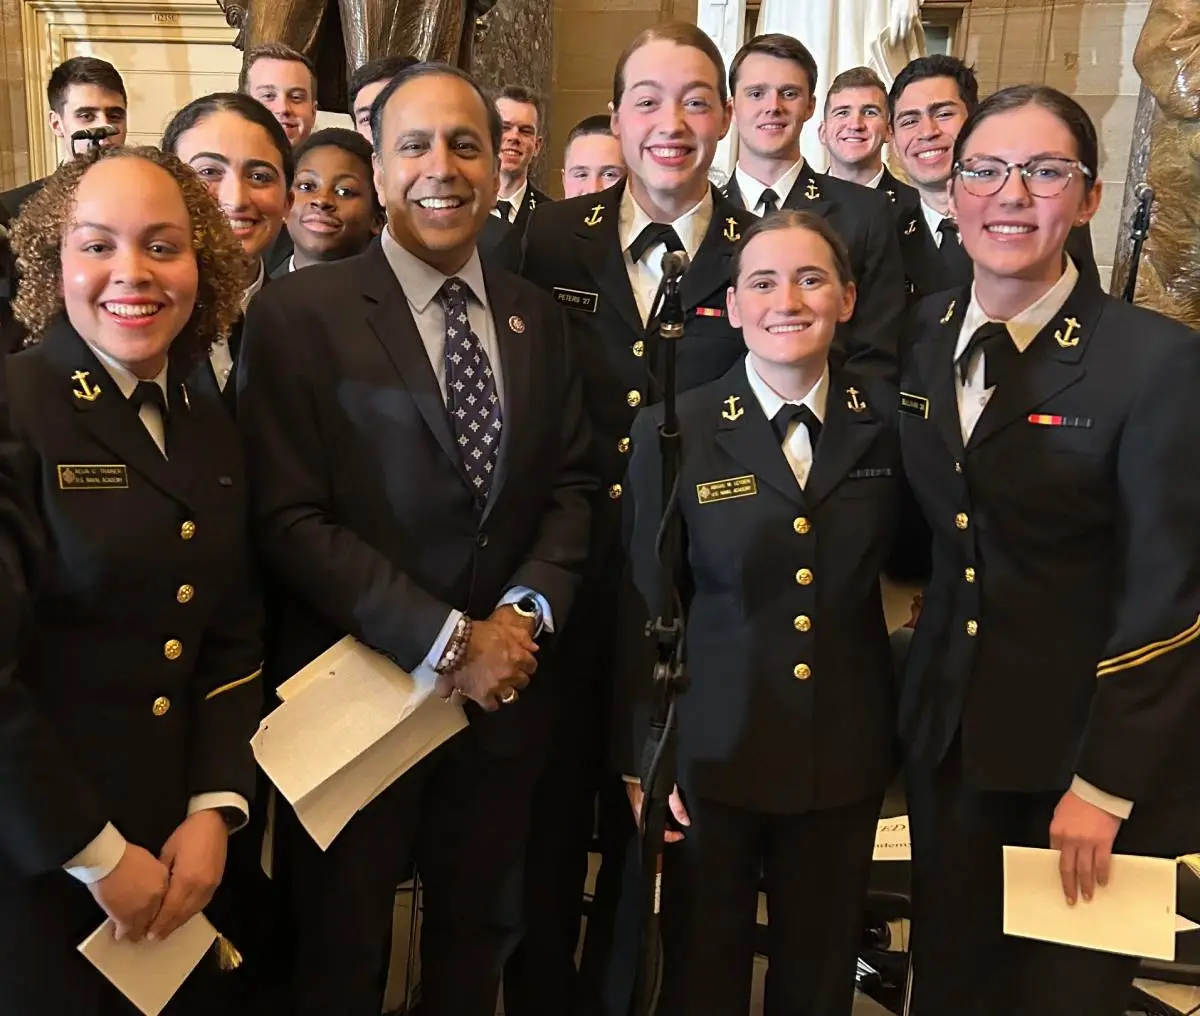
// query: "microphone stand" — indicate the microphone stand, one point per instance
point(1138, 231)
point(658, 755)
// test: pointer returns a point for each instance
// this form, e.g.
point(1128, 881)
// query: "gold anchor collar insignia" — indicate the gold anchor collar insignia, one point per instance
point(732, 411)
point(811, 192)
point(596, 217)
point(949, 315)
point(853, 402)
point(85, 391)
point(1069, 338)
point(732, 233)
point(911, 228)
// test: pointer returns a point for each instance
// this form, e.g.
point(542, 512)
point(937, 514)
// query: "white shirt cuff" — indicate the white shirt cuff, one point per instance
point(425, 675)
point(98, 859)
point(519, 593)
point(1110, 803)
point(635, 780)
point(234, 808)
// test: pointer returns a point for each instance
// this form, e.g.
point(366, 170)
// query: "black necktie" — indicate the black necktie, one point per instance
point(149, 392)
point(999, 350)
point(505, 209)
point(954, 255)
point(472, 398)
point(770, 201)
point(788, 412)
point(651, 236)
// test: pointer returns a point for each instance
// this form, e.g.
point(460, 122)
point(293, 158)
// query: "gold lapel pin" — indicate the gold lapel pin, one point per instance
point(1070, 337)
point(949, 312)
point(85, 391)
point(854, 403)
point(596, 217)
point(731, 231)
point(811, 191)
point(187, 402)
point(733, 411)
point(517, 324)
point(912, 228)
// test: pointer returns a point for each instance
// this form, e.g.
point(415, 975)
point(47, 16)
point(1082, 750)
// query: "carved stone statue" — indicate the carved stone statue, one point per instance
point(1168, 59)
point(341, 34)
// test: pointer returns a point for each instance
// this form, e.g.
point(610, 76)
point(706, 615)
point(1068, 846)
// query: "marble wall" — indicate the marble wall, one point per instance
point(1086, 50)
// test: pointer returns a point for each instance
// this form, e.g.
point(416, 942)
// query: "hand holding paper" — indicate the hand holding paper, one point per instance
point(1084, 834)
point(195, 857)
point(132, 892)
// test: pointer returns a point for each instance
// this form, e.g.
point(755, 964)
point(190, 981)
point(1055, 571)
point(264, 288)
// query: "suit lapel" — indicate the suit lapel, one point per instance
point(709, 272)
point(112, 420)
point(1050, 364)
point(808, 194)
point(393, 324)
point(745, 433)
point(599, 241)
point(847, 432)
point(934, 356)
point(516, 359)
point(733, 193)
point(922, 259)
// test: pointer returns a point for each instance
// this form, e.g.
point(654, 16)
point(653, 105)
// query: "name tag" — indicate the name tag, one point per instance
point(75, 477)
point(710, 312)
point(867, 474)
point(1049, 420)
point(724, 490)
point(914, 405)
point(577, 298)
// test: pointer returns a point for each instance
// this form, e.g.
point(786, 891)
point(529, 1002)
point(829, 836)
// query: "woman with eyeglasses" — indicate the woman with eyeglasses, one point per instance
point(1050, 433)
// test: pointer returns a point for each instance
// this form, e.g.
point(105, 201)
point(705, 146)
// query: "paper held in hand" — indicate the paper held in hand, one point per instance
point(1133, 915)
point(351, 724)
point(149, 973)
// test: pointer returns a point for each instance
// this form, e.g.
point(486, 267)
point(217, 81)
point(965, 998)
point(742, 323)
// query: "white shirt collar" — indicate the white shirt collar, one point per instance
point(691, 226)
point(254, 287)
point(422, 282)
point(517, 198)
point(874, 182)
point(933, 218)
point(771, 401)
point(1026, 326)
point(125, 379)
point(752, 189)
point(292, 263)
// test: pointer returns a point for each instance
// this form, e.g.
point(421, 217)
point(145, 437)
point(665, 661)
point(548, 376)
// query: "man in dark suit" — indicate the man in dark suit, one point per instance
point(772, 80)
point(929, 102)
point(520, 111)
point(421, 481)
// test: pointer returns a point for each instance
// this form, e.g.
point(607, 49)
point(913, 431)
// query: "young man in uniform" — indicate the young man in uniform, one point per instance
point(520, 112)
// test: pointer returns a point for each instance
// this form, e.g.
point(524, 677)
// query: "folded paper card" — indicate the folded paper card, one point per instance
point(891, 840)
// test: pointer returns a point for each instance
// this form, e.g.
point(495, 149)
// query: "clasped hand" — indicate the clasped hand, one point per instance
point(500, 659)
point(151, 897)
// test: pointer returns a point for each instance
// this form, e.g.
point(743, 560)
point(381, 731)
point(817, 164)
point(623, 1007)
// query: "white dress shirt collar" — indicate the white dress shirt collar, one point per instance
point(752, 190)
point(255, 286)
point(771, 401)
point(125, 380)
point(874, 182)
point(691, 226)
point(422, 282)
point(933, 219)
point(516, 200)
point(1023, 327)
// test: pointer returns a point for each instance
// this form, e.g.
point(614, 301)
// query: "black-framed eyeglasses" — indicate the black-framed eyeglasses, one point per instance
point(1047, 177)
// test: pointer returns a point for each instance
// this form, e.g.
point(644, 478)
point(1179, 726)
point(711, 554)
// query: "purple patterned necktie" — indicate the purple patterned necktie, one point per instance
point(472, 399)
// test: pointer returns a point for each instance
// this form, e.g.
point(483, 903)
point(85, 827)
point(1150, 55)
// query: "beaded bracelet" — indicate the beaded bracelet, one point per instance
point(455, 653)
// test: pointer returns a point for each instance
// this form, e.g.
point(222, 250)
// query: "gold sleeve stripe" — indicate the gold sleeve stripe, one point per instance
point(232, 684)
point(1136, 657)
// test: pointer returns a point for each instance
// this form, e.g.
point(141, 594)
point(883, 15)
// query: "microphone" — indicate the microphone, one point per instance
point(674, 264)
point(1143, 192)
point(95, 133)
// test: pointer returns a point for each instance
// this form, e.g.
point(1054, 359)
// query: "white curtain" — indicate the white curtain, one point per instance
point(881, 34)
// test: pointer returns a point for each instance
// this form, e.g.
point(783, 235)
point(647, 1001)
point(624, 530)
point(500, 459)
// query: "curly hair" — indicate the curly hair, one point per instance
point(37, 238)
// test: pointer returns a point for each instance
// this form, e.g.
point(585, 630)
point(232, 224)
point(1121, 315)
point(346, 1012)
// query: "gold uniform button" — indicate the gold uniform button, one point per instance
point(614, 492)
point(804, 577)
point(161, 705)
point(801, 525)
point(639, 348)
point(187, 530)
point(634, 397)
point(961, 520)
point(173, 649)
point(802, 671)
point(972, 628)
point(623, 445)
point(802, 622)
point(969, 575)
point(185, 593)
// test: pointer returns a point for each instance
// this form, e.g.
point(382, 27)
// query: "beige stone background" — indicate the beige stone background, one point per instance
point(1084, 48)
